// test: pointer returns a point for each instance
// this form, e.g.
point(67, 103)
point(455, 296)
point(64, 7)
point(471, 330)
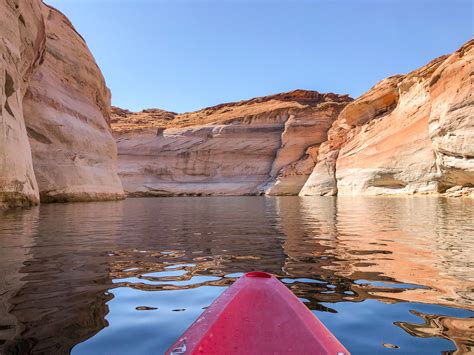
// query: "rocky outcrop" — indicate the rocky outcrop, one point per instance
point(67, 113)
point(263, 145)
point(55, 139)
point(451, 121)
point(408, 134)
point(22, 42)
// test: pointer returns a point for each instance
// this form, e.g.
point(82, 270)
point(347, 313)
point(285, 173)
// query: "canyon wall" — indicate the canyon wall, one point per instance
point(451, 121)
point(67, 113)
point(55, 140)
point(22, 36)
point(409, 134)
point(264, 145)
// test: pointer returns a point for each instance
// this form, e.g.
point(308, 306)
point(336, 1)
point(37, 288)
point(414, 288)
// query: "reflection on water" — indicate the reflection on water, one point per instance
point(384, 274)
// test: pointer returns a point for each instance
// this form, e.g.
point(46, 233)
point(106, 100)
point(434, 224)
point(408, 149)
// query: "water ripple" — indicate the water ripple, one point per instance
point(129, 277)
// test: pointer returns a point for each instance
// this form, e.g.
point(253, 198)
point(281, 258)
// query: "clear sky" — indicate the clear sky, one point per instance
point(182, 55)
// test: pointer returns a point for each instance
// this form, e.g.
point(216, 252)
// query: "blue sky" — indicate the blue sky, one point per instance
point(182, 55)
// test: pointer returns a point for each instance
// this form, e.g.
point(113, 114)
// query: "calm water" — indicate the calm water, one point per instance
point(386, 275)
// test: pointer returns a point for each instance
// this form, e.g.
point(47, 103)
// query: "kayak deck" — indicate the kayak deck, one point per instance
point(257, 315)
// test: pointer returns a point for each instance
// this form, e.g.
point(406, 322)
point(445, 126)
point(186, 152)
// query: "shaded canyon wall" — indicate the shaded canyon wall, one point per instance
point(22, 36)
point(67, 114)
point(55, 140)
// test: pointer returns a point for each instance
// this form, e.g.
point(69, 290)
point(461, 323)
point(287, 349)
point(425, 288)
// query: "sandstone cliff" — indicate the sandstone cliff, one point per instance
point(67, 113)
point(263, 145)
point(54, 135)
point(22, 37)
point(409, 134)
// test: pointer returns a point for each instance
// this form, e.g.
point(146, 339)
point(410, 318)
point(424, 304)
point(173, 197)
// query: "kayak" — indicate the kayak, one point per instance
point(257, 315)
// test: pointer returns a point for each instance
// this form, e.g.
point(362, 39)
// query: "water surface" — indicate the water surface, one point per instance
point(386, 275)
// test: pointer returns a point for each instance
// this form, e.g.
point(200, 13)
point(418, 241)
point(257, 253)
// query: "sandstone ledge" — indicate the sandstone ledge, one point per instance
point(58, 197)
point(251, 147)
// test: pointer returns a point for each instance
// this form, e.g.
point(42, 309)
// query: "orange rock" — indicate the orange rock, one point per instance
point(262, 145)
point(408, 134)
point(451, 121)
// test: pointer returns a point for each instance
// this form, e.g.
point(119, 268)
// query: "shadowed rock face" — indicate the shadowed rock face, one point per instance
point(67, 110)
point(408, 134)
point(262, 145)
point(55, 140)
point(22, 43)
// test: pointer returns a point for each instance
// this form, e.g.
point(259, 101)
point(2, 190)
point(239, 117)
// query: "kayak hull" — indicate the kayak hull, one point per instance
point(257, 315)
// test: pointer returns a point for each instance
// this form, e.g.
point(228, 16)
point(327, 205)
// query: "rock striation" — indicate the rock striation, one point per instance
point(67, 114)
point(409, 134)
point(55, 139)
point(263, 145)
point(451, 121)
point(22, 44)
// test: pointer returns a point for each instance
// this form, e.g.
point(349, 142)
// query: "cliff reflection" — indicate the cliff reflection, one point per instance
point(57, 298)
point(406, 241)
point(387, 249)
point(80, 276)
point(14, 251)
point(59, 262)
point(459, 330)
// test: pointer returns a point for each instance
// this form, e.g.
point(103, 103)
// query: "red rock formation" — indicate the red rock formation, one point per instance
point(451, 122)
point(408, 134)
point(262, 145)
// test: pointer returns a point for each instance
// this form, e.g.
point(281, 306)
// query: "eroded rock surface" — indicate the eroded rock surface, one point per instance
point(22, 42)
point(451, 121)
point(408, 134)
point(55, 139)
point(264, 145)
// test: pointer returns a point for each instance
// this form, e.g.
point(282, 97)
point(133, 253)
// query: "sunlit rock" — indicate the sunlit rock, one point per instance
point(263, 145)
point(408, 134)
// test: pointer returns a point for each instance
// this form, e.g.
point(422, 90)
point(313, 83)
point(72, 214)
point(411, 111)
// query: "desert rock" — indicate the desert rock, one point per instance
point(262, 145)
point(408, 134)
point(22, 36)
point(67, 114)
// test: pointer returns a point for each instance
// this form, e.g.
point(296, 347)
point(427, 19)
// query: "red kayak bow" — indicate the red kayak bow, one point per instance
point(257, 315)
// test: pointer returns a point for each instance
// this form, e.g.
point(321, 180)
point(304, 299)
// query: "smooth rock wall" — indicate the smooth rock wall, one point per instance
point(67, 113)
point(22, 36)
point(55, 140)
